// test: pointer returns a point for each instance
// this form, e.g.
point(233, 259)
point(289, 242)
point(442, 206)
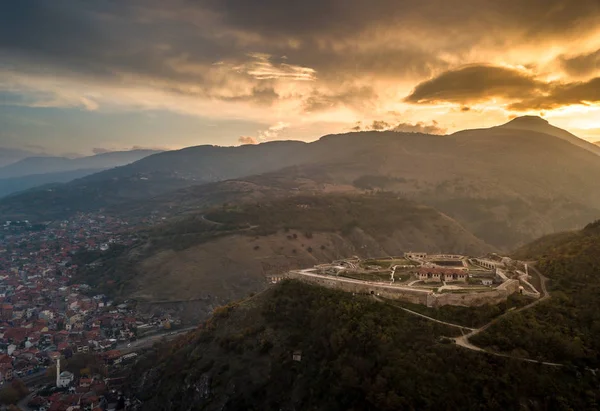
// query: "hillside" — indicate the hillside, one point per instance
point(42, 165)
point(506, 185)
point(153, 176)
point(505, 202)
point(226, 253)
point(356, 354)
point(565, 328)
point(538, 124)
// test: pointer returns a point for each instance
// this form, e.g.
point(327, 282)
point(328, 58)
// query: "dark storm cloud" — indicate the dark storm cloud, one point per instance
point(112, 36)
point(583, 64)
point(475, 83)
point(523, 91)
point(585, 93)
point(109, 42)
point(341, 17)
point(175, 45)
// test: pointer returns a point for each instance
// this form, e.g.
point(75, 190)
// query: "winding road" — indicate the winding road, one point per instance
point(463, 341)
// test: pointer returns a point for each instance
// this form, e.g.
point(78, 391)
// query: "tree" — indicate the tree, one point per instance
point(8, 395)
point(20, 388)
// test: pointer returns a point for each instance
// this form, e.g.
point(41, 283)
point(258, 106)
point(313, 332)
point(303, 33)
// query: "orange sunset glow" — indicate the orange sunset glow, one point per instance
point(281, 70)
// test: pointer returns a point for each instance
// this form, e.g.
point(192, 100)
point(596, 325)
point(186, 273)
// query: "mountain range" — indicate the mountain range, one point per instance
point(507, 185)
point(46, 164)
point(30, 172)
point(12, 155)
point(538, 124)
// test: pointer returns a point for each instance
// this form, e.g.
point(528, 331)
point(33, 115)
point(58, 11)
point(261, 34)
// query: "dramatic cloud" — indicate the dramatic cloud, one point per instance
point(521, 90)
point(579, 93)
point(247, 140)
point(583, 64)
point(475, 83)
point(307, 64)
point(261, 68)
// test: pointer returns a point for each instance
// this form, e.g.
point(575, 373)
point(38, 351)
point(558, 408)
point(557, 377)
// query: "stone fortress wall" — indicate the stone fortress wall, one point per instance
point(476, 299)
point(411, 295)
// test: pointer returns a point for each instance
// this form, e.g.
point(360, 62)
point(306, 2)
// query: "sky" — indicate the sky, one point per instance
point(82, 77)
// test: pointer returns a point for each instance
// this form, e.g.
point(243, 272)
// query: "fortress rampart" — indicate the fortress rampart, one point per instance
point(411, 295)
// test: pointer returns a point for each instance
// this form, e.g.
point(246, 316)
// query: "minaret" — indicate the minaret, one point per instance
point(57, 372)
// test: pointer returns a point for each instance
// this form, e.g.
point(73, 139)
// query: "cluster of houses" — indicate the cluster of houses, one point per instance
point(86, 392)
point(43, 315)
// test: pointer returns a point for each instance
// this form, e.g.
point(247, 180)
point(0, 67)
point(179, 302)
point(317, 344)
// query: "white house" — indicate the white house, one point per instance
point(11, 349)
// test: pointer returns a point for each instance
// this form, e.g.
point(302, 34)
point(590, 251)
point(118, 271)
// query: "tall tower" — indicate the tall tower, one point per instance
point(58, 372)
point(526, 269)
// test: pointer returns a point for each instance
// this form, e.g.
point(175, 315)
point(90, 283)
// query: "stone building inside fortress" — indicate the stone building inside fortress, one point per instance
point(434, 274)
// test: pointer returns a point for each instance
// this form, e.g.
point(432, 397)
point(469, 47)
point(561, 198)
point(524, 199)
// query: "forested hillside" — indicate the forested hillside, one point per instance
point(565, 328)
point(356, 354)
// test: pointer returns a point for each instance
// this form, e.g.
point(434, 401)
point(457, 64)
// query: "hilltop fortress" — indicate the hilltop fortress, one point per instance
point(431, 280)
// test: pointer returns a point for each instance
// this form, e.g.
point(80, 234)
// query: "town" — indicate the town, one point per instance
point(44, 316)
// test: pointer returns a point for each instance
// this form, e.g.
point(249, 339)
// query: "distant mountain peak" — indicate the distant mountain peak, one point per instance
point(528, 121)
point(541, 125)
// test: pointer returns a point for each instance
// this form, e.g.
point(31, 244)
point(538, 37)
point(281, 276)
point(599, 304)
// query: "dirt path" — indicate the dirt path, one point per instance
point(463, 341)
point(462, 327)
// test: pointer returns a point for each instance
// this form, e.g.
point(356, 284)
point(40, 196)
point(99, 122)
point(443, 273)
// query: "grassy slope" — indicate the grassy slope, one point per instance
point(565, 328)
point(226, 254)
point(356, 355)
